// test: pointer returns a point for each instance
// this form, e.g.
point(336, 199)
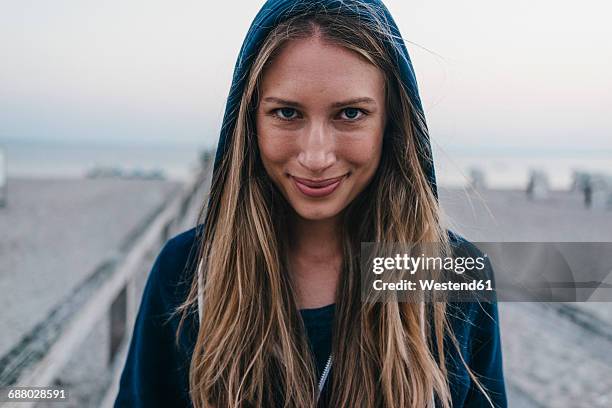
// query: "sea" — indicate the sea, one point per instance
point(30, 159)
point(500, 169)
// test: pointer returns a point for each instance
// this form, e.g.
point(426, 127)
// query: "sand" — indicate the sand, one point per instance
point(53, 235)
point(549, 360)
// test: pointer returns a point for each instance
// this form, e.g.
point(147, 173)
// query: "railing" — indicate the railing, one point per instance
point(111, 290)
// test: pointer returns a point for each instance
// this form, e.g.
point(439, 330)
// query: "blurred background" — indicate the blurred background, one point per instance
point(110, 111)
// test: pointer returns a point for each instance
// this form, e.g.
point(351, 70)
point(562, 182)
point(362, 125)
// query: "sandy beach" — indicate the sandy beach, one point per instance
point(549, 360)
point(508, 215)
point(55, 233)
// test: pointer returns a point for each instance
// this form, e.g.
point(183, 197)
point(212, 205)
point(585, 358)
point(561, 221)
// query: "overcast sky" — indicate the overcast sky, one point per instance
point(521, 73)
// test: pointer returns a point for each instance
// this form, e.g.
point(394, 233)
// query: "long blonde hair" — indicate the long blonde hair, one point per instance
point(250, 324)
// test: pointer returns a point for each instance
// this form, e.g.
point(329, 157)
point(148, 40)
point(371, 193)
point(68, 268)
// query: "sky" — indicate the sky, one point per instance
point(492, 74)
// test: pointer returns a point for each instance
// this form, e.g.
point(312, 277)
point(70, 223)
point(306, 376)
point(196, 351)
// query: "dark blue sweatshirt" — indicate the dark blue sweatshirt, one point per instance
point(156, 370)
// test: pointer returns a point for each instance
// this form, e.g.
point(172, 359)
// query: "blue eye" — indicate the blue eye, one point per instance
point(352, 113)
point(286, 113)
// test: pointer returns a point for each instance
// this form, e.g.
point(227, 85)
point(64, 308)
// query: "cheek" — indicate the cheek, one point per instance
point(363, 152)
point(275, 148)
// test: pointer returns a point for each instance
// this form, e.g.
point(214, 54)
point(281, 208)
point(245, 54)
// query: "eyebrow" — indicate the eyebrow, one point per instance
point(340, 104)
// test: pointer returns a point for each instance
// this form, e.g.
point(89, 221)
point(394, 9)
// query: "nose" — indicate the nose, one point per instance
point(317, 148)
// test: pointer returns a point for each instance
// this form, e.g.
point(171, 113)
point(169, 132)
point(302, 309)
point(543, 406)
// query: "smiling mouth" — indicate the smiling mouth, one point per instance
point(318, 188)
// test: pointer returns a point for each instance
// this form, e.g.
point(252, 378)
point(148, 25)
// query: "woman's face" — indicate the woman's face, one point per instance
point(320, 123)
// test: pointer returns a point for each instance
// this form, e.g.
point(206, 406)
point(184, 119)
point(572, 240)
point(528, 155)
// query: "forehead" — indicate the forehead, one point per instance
point(312, 67)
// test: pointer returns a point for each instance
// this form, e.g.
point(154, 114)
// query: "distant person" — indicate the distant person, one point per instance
point(323, 146)
point(588, 193)
point(538, 186)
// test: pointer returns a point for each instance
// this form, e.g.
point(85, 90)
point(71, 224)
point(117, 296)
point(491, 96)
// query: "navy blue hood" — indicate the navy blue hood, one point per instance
point(274, 12)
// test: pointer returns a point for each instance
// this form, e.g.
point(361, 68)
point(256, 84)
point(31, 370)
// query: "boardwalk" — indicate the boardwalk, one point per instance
point(94, 242)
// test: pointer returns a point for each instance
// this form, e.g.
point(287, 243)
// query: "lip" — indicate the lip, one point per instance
point(318, 188)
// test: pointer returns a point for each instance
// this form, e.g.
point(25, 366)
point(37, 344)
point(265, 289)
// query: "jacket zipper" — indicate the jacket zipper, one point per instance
point(324, 375)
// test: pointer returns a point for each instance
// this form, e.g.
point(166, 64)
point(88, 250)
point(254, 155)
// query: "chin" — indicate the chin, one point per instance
point(316, 212)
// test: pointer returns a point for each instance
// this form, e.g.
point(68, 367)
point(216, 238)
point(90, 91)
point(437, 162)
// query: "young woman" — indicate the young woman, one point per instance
point(323, 146)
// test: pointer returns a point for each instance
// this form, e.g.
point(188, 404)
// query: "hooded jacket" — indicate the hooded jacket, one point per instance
point(157, 366)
